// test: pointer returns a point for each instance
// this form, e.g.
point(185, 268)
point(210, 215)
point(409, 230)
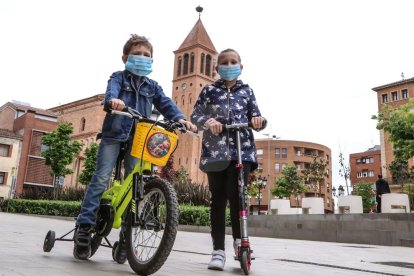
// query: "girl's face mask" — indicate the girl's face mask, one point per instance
point(139, 65)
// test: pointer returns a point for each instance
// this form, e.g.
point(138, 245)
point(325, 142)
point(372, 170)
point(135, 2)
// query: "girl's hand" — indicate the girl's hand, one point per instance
point(257, 122)
point(214, 126)
point(188, 125)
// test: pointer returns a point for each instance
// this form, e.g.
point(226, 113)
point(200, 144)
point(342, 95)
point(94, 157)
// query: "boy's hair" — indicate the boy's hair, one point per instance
point(136, 40)
point(226, 51)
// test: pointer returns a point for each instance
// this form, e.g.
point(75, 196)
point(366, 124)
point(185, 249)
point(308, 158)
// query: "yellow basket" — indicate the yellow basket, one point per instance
point(153, 143)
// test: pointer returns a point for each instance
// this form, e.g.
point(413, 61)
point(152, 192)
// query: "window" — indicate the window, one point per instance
point(365, 173)
point(384, 98)
point(192, 63)
point(179, 67)
point(82, 124)
point(259, 151)
point(2, 178)
point(404, 94)
point(185, 68)
point(202, 64)
point(5, 150)
point(277, 152)
point(298, 153)
point(284, 154)
point(394, 96)
point(277, 168)
point(284, 165)
point(208, 65)
point(298, 167)
point(260, 168)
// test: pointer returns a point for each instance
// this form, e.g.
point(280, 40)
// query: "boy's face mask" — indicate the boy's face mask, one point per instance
point(229, 73)
point(139, 65)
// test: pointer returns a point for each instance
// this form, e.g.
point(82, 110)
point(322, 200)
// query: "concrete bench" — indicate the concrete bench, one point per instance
point(282, 207)
point(312, 205)
point(395, 203)
point(350, 204)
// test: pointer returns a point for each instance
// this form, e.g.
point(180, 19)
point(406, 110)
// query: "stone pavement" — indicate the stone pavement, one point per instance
point(22, 236)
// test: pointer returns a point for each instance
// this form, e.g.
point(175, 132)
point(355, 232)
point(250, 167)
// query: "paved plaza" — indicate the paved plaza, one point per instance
point(22, 236)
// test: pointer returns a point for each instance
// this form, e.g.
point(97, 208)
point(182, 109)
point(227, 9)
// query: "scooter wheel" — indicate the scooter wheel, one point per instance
point(245, 262)
point(49, 241)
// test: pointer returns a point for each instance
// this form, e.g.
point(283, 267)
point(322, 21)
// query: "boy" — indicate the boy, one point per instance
point(227, 100)
point(130, 88)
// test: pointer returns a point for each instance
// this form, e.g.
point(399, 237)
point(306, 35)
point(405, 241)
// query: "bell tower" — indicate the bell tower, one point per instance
point(194, 63)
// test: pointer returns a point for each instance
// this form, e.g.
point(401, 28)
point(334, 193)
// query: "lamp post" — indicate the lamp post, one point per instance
point(341, 191)
point(262, 182)
point(270, 137)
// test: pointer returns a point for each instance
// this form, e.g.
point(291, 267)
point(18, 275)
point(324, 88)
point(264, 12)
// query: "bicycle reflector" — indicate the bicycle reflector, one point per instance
point(153, 143)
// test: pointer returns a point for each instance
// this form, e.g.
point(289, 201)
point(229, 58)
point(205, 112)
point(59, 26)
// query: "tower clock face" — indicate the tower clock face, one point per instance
point(183, 86)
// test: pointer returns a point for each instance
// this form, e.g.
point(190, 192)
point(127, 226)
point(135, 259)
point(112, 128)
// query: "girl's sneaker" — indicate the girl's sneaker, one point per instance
point(236, 246)
point(218, 259)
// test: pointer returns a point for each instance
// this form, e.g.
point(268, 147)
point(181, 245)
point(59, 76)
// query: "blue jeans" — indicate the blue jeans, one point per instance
point(106, 160)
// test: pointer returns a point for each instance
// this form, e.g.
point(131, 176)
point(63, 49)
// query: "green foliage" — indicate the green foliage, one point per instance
point(89, 166)
point(289, 184)
point(364, 190)
point(189, 192)
point(61, 149)
point(44, 207)
point(399, 124)
point(189, 214)
point(409, 190)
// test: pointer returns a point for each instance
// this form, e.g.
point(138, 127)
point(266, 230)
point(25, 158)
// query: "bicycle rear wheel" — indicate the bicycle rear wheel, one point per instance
point(150, 243)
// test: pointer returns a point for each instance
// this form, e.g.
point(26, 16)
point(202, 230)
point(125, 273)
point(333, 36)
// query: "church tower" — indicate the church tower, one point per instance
point(194, 64)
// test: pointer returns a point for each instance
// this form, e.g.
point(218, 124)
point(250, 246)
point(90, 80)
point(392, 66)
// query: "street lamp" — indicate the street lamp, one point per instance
point(341, 191)
point(270, 137)
point(262, 182)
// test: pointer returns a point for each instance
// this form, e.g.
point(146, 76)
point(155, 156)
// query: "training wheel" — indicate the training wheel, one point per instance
point(49, 241)
point(245, 262)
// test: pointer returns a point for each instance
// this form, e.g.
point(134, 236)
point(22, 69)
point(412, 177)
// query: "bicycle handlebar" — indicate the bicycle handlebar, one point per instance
point(167, 124)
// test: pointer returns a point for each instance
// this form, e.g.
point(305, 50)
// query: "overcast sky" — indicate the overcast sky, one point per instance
point(312, 64)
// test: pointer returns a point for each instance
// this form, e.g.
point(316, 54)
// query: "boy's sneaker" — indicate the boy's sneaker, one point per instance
point(218, 259)
point(236, 246)
point(82, 239)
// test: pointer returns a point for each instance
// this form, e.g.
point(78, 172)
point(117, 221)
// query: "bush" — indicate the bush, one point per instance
point(44, 207)
point(189, 192)
point(58, 193)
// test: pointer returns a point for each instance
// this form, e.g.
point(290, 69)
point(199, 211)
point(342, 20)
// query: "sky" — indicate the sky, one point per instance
point(312, 64)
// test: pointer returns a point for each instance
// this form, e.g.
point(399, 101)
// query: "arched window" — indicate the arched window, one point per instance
point(82, 124)
point(208, 65)
point(192, 63)
point(179, 67)
point(202, 64)
point(189, 99)
point(175, 100)
point(183, 99)
point(185, 69)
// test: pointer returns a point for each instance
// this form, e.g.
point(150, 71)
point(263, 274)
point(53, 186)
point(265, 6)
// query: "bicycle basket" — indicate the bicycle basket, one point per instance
point(153, 143)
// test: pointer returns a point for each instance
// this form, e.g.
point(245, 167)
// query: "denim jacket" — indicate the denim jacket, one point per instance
point(138, 93)
point(218, 150)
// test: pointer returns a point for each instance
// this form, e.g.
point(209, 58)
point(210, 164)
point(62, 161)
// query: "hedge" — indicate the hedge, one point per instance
point(189, 214)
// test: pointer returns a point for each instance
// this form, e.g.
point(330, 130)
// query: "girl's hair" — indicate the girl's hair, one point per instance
point(226, 51)
point(136, 40)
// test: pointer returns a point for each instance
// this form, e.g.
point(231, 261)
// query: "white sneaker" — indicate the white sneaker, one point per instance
point(236, 246)
point(218, 259)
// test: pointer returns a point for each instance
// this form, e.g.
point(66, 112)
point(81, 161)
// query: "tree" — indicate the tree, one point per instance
point(364, 190)
point(289, 184)
point(344, 170)
point(61, 150)
point(399, 124)
point(89, 166)
point(316, 173)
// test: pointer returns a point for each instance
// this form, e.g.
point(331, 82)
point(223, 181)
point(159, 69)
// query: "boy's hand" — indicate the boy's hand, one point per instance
point(117, 104)
point(188, 125)
point(214, 126)
point(258, 122)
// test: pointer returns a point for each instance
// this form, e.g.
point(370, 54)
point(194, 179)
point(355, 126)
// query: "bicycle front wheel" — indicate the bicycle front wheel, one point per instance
point(150, 243)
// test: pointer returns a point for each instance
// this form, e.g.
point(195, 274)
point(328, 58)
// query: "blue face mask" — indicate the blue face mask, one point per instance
point(229, 73)
point(139, 65)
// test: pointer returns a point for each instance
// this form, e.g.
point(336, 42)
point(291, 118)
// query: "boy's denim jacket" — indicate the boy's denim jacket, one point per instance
point(218, 150)
point(122, 85)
